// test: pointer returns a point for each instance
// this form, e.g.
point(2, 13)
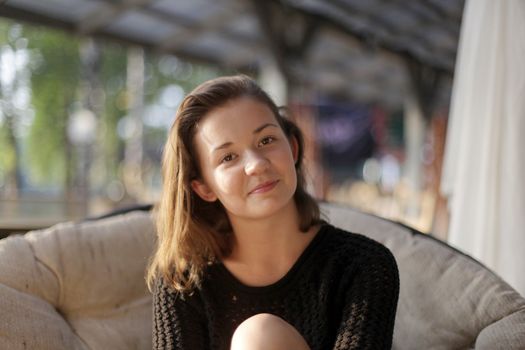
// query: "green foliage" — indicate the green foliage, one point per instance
point(55, 66)
point(113, 79)
point(8, 151)
point(4, 30)
point(54, 81)
point(7, 155)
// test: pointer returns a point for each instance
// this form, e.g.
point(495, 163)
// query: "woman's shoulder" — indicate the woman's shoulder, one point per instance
point(352, 254)
point(352, 245)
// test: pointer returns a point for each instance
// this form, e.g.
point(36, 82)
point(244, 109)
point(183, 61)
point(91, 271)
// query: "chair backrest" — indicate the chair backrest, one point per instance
point(447, 299)
point(81, 286)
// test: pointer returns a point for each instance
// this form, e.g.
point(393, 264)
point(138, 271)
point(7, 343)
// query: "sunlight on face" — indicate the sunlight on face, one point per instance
point(246, 160)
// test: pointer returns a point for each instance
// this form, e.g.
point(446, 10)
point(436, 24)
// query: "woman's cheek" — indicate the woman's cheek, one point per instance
point(226, 181)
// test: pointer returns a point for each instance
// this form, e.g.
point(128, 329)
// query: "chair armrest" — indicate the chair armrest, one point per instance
point(28, 292)
point(78, 285)
point(506, 334)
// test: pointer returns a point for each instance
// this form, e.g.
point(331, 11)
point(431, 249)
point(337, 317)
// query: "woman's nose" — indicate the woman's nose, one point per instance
point(255, 163)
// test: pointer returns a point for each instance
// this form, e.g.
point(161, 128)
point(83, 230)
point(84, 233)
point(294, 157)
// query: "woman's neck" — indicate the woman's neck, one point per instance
point(264, 250)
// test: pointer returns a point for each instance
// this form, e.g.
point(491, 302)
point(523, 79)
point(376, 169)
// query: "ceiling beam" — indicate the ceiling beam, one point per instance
point(404, 50)
point(196, 27)
point(365, 38)
point(106, 14)
point(180, 37)
point(32, 18)
point(15, 13)
point(288, 36)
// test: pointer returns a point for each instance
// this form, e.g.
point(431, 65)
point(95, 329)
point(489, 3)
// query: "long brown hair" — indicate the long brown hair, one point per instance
point(192, 232)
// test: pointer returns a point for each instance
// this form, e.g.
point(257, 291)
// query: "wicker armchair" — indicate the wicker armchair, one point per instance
point(81, 286)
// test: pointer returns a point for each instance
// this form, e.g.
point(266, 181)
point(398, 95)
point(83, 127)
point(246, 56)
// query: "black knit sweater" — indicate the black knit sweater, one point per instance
point(340, 294)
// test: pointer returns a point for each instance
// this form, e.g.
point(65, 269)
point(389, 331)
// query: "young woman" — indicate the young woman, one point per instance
point(243, 259)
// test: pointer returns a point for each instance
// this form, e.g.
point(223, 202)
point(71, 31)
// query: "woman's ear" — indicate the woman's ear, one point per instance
point(203, 191)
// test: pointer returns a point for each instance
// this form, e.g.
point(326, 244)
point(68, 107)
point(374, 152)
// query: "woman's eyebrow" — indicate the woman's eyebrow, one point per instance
point(262, 127)
point(256, 131)
point(224, 145)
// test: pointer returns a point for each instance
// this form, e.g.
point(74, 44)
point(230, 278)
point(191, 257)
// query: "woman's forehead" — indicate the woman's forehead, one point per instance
point(242, 113)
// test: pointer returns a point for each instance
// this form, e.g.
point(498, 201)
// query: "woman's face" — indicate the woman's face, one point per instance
point(246, 160)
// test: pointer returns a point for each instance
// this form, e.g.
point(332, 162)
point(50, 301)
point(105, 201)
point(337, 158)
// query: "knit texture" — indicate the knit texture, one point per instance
point(340, 294)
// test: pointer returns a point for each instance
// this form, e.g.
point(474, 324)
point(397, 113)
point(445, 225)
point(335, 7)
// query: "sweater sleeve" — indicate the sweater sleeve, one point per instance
point(178, 323)
point(370, 303)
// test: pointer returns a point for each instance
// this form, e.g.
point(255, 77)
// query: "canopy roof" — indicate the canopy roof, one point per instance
point(351, 48)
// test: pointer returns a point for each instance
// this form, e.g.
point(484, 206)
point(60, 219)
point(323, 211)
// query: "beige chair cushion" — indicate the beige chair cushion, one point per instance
point(77, 286)
point(82, 287)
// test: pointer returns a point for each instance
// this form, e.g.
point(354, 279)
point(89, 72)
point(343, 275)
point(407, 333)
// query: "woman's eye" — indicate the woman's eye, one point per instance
point(267, 140)
point(227, 158)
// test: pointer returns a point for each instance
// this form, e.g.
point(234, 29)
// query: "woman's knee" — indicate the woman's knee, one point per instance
point(267, 331)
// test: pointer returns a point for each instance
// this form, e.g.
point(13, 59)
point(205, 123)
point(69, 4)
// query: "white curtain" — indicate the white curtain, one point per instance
point(484, 169)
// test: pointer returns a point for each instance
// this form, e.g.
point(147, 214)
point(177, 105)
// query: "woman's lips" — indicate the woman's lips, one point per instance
point(264, 187)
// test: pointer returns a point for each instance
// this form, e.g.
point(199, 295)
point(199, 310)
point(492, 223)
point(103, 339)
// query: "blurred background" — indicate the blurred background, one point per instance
point(88, 90)
point(394, 114)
